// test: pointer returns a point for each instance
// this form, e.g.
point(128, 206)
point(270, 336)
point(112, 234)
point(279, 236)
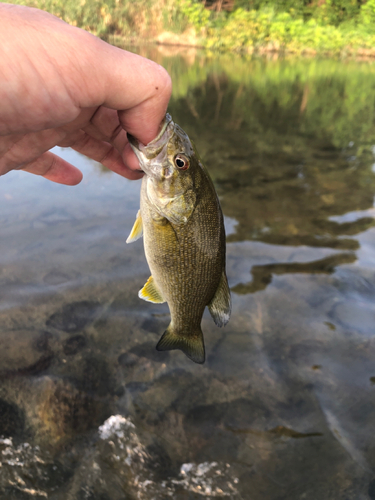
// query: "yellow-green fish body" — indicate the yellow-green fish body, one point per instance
point(184, 239)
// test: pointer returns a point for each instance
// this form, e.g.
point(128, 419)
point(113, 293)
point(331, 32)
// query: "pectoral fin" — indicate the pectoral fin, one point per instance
point(192, 345)
point(220, 306)
point(137, 229)
point(151, 292)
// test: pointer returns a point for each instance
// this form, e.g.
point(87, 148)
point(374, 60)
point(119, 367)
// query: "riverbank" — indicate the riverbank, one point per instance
point(189, 23)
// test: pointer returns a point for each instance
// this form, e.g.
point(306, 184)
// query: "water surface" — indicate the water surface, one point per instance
point(284, 407)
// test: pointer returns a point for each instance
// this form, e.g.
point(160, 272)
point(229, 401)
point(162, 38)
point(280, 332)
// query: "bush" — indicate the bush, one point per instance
point(332, 26)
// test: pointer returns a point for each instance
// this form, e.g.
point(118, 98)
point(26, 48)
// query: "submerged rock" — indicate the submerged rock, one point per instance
point(27, 471)
point(12, 420)
point(72, 318)
point(122, 465)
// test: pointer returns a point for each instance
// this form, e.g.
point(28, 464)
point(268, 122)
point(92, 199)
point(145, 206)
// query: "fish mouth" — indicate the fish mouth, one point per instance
point(153, 148)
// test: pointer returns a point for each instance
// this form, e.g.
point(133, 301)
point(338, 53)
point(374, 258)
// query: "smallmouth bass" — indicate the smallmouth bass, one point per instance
point(184, 238)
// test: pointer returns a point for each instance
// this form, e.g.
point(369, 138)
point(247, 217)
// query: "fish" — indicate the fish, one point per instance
point(182, 225)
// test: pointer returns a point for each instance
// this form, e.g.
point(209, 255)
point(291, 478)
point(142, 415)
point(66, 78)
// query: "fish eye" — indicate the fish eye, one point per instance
point(181, 162)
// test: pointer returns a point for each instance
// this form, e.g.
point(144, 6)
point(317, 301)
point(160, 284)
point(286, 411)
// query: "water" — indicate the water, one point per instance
point(284, 407)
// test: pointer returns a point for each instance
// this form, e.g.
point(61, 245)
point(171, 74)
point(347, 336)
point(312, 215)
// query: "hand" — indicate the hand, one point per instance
point(60, 85)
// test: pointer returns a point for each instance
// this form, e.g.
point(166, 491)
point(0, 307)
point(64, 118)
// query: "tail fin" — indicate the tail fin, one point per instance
point(192, 345)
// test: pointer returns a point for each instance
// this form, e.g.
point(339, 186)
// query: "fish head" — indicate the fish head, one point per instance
point(169, 154)
point(171, 165)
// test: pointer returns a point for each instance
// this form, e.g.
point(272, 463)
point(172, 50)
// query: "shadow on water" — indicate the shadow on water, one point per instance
point(284, 406)
point(262, 275)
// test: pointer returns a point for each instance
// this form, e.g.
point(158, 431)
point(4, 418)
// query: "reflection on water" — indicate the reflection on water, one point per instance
point(284, 406)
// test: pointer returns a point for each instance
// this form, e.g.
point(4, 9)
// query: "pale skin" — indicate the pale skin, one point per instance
point(61, 86)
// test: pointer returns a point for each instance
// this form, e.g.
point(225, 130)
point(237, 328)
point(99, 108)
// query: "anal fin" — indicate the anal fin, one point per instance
point(151, 292)
point(220, 306)
point(137, 229)
point(192, 345)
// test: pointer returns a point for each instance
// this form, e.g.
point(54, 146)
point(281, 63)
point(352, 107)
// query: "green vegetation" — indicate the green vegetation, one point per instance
point(273, 30)
point(129, 18)
point(328, 26)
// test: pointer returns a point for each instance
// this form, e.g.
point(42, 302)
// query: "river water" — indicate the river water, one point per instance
point(284, 407)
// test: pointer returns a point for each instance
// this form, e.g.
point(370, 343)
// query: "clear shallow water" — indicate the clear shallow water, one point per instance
point(284, 407)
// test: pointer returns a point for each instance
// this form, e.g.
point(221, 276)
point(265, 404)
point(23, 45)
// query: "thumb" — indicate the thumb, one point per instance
point(138, 88)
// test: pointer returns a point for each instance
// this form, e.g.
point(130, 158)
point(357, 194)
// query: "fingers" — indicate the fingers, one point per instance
point(104, 153)
point(19, 150)
point(105, 142)
point(104, 124)
point(55, 169)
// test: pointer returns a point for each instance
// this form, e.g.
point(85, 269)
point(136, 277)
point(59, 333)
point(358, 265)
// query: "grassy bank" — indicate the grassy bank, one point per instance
point(322, 27)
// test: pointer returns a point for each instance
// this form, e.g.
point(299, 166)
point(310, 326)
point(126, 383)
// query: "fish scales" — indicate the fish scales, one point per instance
point(193, 277)
point(184, 239)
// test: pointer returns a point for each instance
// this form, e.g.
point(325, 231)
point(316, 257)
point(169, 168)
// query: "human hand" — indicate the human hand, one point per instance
point(61, 86)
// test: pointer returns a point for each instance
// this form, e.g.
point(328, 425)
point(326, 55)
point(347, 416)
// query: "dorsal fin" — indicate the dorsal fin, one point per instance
point(151, 292)
point(192, 345)
point(220, 306)
point(137, 229)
